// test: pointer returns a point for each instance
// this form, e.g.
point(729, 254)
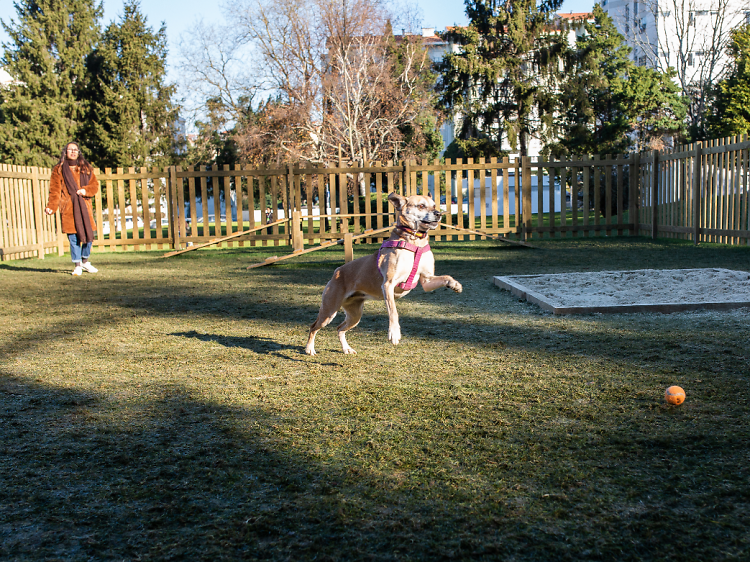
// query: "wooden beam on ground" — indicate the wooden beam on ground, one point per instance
point(498, 238)
point(274, 259)
point(225, 238)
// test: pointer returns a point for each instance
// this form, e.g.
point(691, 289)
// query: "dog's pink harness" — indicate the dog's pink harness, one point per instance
point(411, 282)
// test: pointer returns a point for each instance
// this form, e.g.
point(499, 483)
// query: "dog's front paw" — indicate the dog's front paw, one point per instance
point(310, 350)
point(394, 335)
point(454, 285)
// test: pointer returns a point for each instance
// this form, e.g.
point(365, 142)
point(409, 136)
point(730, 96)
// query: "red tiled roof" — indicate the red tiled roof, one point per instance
point(576, 16)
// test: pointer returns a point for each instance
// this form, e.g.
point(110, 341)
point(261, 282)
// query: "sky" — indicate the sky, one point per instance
point(180, 15)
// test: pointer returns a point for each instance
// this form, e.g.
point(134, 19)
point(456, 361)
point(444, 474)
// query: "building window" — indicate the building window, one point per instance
point(635, 8)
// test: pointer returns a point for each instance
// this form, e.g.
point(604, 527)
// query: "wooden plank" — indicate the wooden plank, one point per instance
point(506, 195)
point(4, 215)
point(460, 197)
point(38, 207)
point(745, 202)
point(540, 195)
point(121, 204)
point(586, 173)
point(620, 188)
point(574, 192)
point(275, 181)
point(274, 259)
point(343, 189)
point(563, 194)
point(737, 170)
point(134, 207)
point(526, 196)
point(320, 177)
point(482, 197)
point(449, 183)
point(367, 202)
point(222, 239)
point(470, 193)
point(145, 195)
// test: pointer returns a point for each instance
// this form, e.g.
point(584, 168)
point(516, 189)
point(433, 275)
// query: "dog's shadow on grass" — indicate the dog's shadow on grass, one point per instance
point(258, 345)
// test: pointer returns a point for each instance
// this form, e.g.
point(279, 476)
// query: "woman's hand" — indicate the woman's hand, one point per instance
point(81, 192)
point(49, 211)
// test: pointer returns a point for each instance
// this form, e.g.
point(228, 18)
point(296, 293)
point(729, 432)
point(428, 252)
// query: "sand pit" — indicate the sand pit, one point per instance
point(643, 290)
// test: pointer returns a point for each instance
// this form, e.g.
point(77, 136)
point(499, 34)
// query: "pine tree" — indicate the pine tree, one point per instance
point(41, 111)
point(594, 111)
point(503, 80)
point(608, 103)
point(131, 113)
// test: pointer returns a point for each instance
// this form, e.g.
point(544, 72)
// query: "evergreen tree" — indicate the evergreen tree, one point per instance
point(41, 111)
point(731, 107)
point(606, 97)
point(131, 113)
point(656, 107)
point(503, 80)
point(594, 111)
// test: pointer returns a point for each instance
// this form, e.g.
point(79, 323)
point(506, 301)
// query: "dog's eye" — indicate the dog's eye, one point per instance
point(422, 207)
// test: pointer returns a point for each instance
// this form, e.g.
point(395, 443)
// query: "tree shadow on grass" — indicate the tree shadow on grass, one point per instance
point(170, 476)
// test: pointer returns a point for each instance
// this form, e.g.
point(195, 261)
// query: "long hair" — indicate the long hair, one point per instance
point(81, 162)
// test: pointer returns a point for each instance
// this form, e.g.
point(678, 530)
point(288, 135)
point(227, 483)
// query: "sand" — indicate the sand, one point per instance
point(632, 288)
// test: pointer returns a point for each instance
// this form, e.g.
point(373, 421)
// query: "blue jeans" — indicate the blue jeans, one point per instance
point(78, 251)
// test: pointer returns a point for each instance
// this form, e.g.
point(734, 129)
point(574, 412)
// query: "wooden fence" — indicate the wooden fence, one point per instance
point(697, 192)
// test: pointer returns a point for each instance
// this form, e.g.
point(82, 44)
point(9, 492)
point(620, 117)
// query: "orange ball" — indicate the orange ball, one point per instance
point(674, 395)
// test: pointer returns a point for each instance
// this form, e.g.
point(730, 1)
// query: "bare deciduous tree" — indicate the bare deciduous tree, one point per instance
point(336, 80)
point(690, 36)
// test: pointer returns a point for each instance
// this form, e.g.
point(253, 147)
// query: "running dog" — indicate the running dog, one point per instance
point(390, 273)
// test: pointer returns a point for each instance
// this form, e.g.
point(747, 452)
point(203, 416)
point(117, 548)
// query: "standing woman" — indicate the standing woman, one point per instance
point(71, 187)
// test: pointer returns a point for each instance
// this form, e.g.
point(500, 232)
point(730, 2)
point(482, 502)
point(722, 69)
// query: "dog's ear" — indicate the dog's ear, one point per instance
point(398, 201)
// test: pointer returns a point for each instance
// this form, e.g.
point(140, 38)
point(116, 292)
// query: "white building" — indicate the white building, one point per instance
point(6, 79)
point(690, 36)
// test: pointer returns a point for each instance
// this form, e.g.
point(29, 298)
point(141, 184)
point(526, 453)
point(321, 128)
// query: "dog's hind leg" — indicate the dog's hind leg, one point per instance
point(353, 309)
point(328, 310)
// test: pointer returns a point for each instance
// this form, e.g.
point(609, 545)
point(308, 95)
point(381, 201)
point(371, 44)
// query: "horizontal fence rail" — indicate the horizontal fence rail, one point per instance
point(697, 192)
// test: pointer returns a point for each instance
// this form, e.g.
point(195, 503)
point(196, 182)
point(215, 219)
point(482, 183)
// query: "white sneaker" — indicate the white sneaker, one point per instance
point(88, 267)
point(78, 271)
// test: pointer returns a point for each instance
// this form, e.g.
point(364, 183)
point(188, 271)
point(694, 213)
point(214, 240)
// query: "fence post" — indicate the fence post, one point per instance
point(38, 211)
point(407, 176)
point(290, 204)
point(635, 174)
point(348, 247)
point(654, 195)
point(697, 192)
point(526, 187)
point(297, 241)
point(174, 215)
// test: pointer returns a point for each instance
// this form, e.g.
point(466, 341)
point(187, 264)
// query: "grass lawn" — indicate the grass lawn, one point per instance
point(164, 409)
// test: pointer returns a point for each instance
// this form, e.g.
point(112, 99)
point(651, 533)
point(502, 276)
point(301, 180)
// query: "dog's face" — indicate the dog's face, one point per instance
point(418, 212)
